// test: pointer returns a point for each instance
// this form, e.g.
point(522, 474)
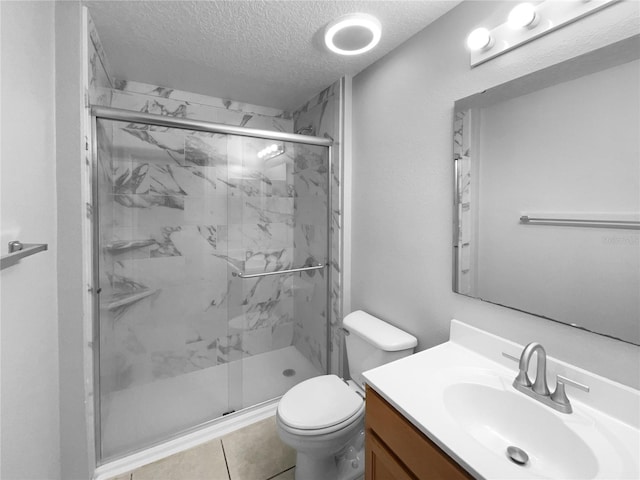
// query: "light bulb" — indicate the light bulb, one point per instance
point(479, 39)
point(522, 15)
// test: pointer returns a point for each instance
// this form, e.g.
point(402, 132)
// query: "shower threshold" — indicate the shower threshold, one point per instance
point(147, 414)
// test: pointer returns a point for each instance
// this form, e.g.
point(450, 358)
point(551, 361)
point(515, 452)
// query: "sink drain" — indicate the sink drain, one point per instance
point(289, 372)
point(517, 455)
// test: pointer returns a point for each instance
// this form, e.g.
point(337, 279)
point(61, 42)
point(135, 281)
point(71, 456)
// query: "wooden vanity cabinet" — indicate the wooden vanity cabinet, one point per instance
point(396, 450)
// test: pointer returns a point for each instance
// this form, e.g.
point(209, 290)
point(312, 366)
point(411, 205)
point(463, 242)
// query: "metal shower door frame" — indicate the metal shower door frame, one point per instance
point(121, 115)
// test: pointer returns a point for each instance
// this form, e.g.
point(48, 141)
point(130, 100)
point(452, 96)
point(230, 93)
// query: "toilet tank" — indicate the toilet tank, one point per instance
point(371, 342)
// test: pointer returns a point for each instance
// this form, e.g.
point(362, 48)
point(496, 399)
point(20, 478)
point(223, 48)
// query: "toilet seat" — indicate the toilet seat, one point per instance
point(324, 403)
point(340, 428)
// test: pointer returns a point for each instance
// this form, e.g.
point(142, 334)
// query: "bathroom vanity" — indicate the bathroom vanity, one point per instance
point(452, 412)
point(397, 450)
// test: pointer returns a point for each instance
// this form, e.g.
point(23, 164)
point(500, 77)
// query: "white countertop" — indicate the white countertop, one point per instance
point(604, 424)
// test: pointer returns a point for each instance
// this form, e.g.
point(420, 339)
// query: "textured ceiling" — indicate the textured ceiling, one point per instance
point(262, 52)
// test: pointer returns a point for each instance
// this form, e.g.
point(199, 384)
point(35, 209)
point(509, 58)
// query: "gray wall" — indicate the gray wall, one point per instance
point(30, 440)
point(402, 181)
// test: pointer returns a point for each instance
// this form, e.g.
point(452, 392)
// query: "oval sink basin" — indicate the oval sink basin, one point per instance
point(498, 419)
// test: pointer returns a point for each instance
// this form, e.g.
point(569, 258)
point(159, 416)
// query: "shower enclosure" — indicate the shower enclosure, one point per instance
point(210, 246)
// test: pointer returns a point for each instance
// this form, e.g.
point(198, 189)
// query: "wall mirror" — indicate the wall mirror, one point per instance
point(547, 193)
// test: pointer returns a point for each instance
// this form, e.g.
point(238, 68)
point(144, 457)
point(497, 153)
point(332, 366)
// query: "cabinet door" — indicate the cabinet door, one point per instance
point(381, 464)
point(410, 447)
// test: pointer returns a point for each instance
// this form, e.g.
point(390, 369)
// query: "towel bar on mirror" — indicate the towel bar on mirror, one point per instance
point(19, 250)
point(575, 222)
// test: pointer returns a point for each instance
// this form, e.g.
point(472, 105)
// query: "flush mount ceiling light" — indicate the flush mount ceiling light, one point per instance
point(353, 34)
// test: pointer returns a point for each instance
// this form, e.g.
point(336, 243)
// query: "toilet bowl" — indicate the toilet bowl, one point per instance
point(323, 418)
point(319, 420)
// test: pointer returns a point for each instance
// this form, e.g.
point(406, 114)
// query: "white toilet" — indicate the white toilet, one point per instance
point(323, 418)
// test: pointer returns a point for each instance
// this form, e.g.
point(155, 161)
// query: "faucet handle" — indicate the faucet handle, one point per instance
point(523, 379)
point(559, 396)
point(572, 383)
point(510, 357)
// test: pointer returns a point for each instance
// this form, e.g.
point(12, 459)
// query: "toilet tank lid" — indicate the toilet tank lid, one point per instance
point(377, 332)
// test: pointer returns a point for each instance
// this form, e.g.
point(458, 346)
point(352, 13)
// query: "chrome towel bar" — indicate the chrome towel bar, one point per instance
point(18, 250)
point(573, 222)
point(277, 272)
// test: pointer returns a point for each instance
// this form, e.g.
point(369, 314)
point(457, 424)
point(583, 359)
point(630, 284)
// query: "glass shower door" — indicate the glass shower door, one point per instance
point(163, 319)
point(196, 319)
point(278, 216)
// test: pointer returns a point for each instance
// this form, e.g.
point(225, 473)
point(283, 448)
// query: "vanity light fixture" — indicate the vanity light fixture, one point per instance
point(527, 22)
point(271, 151)
point(353, 34)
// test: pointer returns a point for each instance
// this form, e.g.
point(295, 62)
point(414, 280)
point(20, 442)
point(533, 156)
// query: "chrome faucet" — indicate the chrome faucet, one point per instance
point(539, 389)
point(540, 385)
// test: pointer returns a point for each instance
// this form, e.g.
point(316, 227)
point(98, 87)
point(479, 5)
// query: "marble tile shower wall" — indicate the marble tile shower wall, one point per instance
point(320, 117)
point(161, 308)
point(167, 101)
point(183, 211)
point(310, 242)
point(99, 81)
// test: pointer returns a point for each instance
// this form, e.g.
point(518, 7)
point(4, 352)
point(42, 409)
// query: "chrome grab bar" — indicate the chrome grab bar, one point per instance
point(277, 272)
point(574, 222)
point(18, 250)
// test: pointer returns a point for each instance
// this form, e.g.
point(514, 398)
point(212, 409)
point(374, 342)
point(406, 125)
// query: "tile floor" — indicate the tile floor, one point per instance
point(251, 453)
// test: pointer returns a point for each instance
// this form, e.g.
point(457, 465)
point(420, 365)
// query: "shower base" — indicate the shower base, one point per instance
point(154, 412)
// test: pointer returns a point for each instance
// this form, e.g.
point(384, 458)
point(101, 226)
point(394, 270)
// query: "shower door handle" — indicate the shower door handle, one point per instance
point(278, 272)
